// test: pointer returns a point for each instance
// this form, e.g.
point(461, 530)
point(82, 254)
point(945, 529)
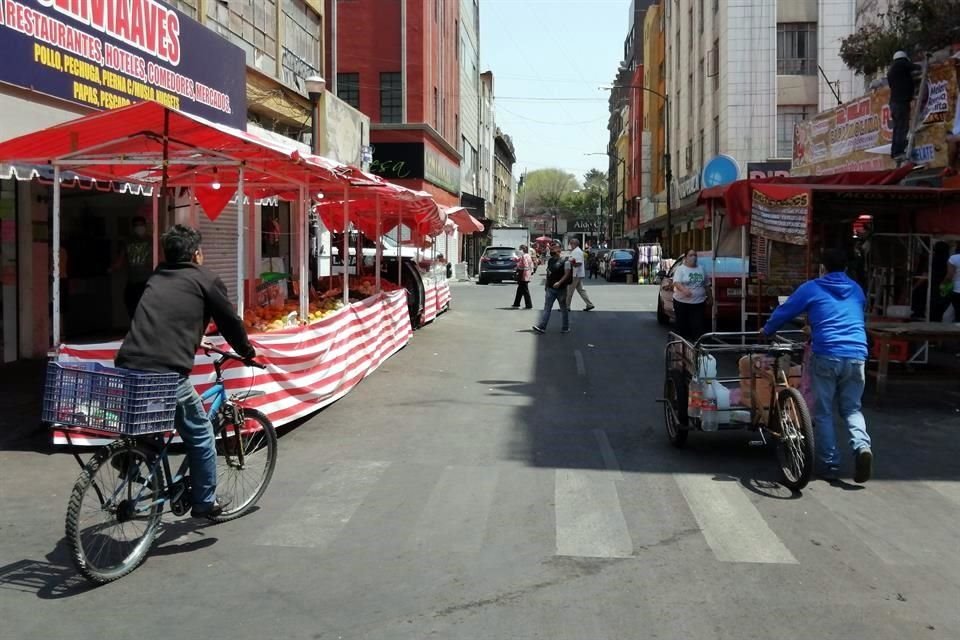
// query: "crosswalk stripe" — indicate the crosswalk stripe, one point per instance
point(731, 524)
point(455, 516)
point(327, 507)
point(589, 519)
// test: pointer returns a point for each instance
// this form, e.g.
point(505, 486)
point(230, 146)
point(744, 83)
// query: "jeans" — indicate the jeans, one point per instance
point(523, 291)
point(900, 114)
point(577, 286)
point(841, 380)
point(194, 427)
point(555, 295)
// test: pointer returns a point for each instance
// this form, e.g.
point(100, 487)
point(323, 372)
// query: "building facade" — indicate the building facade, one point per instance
point(503, 195)
point(488, 129)
point(741, 75)
point(469, 57)
point(398, 62)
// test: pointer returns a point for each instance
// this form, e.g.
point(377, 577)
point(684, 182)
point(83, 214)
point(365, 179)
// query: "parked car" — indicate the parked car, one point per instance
point(619, 264)
point(498, 264)
point(728, 293)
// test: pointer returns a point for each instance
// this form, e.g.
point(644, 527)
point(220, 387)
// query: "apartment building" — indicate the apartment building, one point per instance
point(742, 73)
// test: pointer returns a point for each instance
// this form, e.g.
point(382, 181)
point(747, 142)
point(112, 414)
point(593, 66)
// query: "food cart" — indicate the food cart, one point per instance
point(321, 348)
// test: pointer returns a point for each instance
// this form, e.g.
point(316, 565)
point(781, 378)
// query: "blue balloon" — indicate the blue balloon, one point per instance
point(720, 170)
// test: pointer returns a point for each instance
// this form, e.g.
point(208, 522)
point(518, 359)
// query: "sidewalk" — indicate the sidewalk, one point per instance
point(21, 397)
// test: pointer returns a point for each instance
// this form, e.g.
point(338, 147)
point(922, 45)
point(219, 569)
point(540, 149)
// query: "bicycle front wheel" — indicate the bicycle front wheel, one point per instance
point(795, 445)
point(246, 457)
point(114, 512)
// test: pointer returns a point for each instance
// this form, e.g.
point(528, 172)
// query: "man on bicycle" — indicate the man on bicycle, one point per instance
point(167, 327)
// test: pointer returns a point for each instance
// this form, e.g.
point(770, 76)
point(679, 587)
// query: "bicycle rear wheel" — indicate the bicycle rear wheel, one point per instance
point(794, 445)
point(246, 457)
point(114, 512)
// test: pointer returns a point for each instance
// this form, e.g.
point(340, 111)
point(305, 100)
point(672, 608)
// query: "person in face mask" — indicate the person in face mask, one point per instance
point(136, 259)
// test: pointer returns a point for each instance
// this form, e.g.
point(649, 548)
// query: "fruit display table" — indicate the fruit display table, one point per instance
point(308, 367)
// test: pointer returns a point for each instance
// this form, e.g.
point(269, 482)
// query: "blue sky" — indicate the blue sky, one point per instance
point(553, 49)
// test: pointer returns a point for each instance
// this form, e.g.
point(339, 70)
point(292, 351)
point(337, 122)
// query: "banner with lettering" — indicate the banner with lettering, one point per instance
point(856, 136)
point(780, 213)
point(106, 54)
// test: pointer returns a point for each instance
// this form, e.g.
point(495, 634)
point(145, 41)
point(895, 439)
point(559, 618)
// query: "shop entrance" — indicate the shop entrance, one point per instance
point(105, 259)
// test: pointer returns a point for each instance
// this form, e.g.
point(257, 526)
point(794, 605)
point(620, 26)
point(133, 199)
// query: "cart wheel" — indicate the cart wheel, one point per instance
point(795, 445)
point(675, 408)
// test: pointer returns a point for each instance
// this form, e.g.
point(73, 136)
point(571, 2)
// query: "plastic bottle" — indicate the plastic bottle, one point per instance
point(694, 399)
point(709, 419)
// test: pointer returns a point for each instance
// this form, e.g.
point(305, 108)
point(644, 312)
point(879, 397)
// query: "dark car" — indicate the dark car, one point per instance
point(619, 264)
point(498, 264)
point(729, 293)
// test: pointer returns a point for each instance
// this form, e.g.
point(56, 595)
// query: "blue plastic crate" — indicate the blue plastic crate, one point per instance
point(92, 396)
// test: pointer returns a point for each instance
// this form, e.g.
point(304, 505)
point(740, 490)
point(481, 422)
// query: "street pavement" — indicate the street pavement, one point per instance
point(491, 483)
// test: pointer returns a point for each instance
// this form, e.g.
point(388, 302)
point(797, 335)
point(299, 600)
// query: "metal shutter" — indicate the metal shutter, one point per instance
point(220, 246)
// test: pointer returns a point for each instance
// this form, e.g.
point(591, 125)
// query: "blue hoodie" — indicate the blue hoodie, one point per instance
point(834, 305)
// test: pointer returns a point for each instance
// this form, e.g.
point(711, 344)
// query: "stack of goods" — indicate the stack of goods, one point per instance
point(287, 315)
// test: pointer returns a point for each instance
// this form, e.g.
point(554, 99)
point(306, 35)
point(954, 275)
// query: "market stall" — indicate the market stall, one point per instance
point(318, 346)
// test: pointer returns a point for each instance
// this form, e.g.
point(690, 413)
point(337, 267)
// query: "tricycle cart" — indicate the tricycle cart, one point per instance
point(765, 400)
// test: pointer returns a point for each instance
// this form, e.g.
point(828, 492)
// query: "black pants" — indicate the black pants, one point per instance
point(131, 296)
point(955, 301)
point(523, 291)
point(900, 114)
point(689, 319)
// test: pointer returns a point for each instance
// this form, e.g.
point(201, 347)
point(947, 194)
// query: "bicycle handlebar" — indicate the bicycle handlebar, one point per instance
point(227, 355)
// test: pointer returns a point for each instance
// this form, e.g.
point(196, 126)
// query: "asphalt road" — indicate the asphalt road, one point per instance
point(490, 483)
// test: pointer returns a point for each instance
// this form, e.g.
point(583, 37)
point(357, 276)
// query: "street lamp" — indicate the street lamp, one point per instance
point(316, 86)
point(666, 156)
point(621, 191)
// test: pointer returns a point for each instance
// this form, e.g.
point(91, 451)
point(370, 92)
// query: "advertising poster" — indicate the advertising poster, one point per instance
point(856, 136)
point(106, 54)
point(780, 213)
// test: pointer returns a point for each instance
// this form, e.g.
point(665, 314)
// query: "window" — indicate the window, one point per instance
point(348, 88)
point(788, 118)
point(703, 148)
point(301, 47)
point(252, 31)
point(716, 65)
point(690, 94)
point(797, 49)
point(436, 108)
point(391, 97)
point(702, 18)
point(689, 155)
point(716, 6)
point(716, 135)
point(703, 81)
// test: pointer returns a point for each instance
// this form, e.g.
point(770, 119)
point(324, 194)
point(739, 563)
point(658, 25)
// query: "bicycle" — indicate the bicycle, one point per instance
point(784, 416)
point(116, 505)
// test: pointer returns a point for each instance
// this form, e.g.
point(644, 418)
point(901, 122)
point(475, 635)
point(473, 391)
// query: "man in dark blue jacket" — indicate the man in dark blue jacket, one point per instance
point(834, 305)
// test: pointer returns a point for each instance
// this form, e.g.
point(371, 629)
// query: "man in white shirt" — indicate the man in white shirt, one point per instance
point(953, 278)
point(579, 273)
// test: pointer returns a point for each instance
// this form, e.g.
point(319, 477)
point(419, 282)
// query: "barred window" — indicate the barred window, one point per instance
point(797, 49)
point(348, 88)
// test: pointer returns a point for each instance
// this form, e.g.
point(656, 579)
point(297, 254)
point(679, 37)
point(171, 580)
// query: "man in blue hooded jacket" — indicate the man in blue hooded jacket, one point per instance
point(834, 305)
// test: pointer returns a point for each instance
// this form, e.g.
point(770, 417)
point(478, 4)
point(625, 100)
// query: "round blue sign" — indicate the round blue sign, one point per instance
point(720, 170)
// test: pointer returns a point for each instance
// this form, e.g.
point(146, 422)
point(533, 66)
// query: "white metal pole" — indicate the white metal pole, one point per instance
point(379, 258)
point(302, 235)
point(56, 256)
point(241, 246)
point(743, 279)
point(156, 225)
point(346, 245)
point(399, 246)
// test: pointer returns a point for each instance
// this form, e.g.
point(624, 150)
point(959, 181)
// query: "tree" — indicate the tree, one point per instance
point(546, 190)
point(914, 26)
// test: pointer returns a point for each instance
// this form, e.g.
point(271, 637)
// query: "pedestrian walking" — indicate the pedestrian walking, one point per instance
point(559, 275)
point(579, 273)
point(952, 282)
point(524, 272)
point(835, 307)
point(900, 79)
point(691, 290)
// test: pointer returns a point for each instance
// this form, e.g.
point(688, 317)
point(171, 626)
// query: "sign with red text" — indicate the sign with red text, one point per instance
point(106, 54)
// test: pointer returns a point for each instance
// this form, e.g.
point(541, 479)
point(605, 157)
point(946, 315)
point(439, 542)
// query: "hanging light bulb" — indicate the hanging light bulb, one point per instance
point(215, 185)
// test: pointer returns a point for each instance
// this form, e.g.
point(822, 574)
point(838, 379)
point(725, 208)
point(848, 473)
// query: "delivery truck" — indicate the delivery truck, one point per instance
point(511, 237)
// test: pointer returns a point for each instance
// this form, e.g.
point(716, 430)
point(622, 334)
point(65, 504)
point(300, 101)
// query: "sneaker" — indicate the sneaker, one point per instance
point(211, 511)
point(514, 306)
point(590, 308)
point(864, 466)
point(538, 329)
point(567, 330)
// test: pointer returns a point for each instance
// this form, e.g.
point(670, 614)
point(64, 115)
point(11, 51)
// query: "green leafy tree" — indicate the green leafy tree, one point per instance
point(546, 191)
